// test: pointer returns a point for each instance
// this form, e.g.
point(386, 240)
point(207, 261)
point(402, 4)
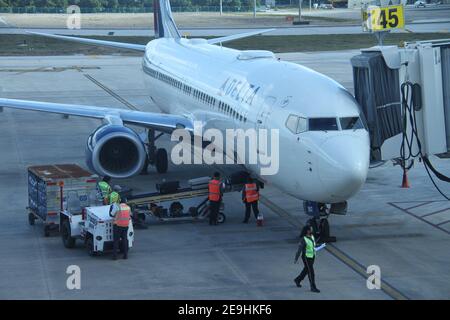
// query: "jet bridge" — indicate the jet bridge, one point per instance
point(404, 93)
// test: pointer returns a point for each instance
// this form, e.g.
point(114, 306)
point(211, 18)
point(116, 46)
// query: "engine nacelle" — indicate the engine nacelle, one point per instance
point(115, 151)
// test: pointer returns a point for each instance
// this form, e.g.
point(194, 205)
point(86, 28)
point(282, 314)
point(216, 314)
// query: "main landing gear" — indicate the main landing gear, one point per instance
point(156, 156)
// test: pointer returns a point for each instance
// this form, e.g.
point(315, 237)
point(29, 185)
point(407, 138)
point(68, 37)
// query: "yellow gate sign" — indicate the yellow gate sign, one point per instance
point(383, 18)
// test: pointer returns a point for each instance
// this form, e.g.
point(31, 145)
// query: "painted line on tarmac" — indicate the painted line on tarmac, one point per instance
point(422, 218)
point(3, 23)
point(337, 253)
point(111, 92)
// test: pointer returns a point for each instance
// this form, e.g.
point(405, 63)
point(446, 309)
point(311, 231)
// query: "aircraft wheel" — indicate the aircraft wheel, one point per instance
point(31, 219)
point(46, 231)
point(313, 223)
point(324, 228)
point(221, 218)
point(162, 162)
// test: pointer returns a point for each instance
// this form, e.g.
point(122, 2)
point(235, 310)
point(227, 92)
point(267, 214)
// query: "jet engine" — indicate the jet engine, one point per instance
point(115, 151)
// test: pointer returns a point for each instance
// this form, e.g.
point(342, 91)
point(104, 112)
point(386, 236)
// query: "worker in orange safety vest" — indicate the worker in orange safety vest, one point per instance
point(122, 216)
point(215, 189)
point(250, 196)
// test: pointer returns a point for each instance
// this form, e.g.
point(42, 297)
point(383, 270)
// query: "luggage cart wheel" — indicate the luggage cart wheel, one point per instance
point(46, 231)
point(68, 241)
point(221, 217)
point(90, 246)
point(31, 219)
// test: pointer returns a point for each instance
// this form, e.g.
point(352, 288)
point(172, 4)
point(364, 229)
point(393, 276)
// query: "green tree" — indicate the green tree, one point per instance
point(181, 3)
point(90, 4)
point(249, 3)
point(232, 3)
point(22, 3)
point(110, 4)
point(44, 3)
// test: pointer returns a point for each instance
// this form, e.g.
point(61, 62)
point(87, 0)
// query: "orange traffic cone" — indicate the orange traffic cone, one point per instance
point(405, 183)
point(260, 220)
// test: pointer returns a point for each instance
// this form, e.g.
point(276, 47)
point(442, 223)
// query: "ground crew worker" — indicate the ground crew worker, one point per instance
point(215, 188)
point(122, 216)
point(306, 250)
point(250, 196)
point(104, 189)
point(114, 197)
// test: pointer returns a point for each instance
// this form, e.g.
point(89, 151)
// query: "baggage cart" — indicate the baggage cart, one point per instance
point(48, 187)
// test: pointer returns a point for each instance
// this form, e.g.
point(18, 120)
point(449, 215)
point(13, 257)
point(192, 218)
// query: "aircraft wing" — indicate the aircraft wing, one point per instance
point(161, 122)
point(238, 36)
point(113, 44)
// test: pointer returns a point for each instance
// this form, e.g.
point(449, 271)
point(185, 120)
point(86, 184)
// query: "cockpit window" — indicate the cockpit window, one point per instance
point(351, 123)
point(296, 124)
point(292, 123)
point(323, 124)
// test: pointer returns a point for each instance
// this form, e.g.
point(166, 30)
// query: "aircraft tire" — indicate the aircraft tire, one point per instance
point(162, 162)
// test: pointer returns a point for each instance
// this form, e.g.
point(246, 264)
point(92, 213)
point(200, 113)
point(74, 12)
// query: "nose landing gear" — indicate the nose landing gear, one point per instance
point(155, 156)
point(319, 221)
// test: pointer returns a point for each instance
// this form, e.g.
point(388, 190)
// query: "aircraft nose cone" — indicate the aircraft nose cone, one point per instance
point(343, 165)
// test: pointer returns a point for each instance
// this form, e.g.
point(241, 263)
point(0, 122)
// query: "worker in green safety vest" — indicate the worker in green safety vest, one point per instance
point(114, 197)
point(104, 189)
point(307, 251)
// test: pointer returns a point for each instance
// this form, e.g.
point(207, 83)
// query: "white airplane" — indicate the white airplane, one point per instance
point(324, 143)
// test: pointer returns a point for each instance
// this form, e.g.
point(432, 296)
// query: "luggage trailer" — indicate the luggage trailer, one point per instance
point(148, 203)
point(50, 187)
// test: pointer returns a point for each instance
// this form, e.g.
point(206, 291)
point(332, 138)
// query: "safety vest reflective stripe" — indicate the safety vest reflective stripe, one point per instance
point(104, 188)
point(122, 218)
point(310, 245)
point(214, 190)
point(251, 192)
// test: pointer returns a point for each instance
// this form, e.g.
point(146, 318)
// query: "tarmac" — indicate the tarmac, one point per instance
point(406, 232)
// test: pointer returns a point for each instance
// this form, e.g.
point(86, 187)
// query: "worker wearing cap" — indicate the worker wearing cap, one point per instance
point(250, 196)
point(307, 251)
point(215, 189)
point(104, 189)
point(121, 213)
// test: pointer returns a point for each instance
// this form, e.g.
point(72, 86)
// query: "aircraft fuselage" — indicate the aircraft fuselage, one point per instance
point(325, 158)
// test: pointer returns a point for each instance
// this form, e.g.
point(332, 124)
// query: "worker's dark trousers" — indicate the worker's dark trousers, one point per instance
point(308, 269)
point(214, 207)
point(120, 233)
point(248, 207)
